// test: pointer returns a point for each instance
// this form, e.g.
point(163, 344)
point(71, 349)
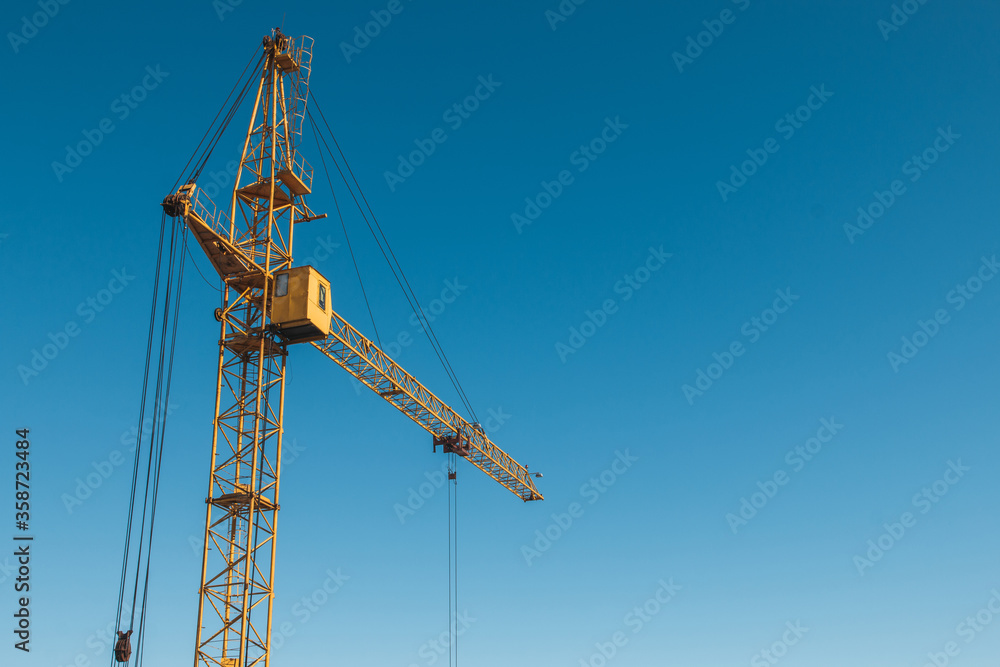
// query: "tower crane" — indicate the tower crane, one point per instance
point(268, 306)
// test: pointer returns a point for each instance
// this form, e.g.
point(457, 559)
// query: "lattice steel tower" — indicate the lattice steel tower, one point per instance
point(268, 305)
point(236, 602)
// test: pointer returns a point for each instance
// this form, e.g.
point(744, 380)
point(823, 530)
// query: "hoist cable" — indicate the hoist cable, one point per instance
point(217, 136)
point(142, 409)
point(165, 306)
point(453, 629)
point(456, 571)
point(221, 109)
point(169, 271)
point(450, 473)
point(420, 315)
point(195, 264)
point(226, 121)
point(156, 410)
point(395, 268)
point(393, 263)
point(175, 260)
point(159, 439)
point(344, 227)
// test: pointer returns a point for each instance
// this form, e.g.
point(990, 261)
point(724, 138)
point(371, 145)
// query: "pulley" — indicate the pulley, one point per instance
point(123, 647)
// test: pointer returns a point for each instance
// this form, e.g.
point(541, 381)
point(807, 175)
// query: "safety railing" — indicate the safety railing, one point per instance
point(203, 206)
point(302, 170)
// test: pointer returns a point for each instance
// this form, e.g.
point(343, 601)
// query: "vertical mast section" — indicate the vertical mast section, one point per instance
point(247, 248)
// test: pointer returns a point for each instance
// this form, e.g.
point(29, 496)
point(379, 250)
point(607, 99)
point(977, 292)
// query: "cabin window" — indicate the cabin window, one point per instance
point(322, 297)
point(281, 285)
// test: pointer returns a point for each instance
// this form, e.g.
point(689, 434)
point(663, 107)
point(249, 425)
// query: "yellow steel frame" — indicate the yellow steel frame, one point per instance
point(236, 602)
point(236, 594)
point(364, 360)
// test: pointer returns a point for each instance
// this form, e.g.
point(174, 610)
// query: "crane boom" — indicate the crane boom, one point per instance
point(368, 363)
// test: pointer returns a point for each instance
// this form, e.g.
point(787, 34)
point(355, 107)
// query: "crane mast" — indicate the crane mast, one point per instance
point(267, 305)
point(236, 593)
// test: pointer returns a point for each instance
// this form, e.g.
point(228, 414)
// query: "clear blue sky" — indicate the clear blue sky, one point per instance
point(760, 267)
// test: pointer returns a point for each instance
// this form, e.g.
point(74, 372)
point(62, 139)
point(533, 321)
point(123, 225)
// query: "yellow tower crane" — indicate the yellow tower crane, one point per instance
point(268, 304)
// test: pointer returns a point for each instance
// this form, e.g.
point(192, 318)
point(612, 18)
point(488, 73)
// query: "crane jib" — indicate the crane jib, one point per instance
point(368, 363)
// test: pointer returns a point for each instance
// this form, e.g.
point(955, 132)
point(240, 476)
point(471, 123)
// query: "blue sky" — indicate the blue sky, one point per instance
point(819, 110)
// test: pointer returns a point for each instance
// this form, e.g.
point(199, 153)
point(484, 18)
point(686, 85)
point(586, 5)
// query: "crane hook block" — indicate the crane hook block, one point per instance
point(123, 647)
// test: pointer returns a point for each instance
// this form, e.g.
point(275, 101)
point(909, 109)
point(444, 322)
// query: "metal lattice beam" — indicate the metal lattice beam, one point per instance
point(364, 360)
